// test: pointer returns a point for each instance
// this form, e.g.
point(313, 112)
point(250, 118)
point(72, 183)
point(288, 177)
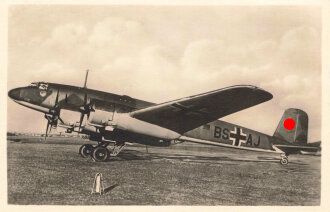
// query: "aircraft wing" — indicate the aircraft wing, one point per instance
point(292, 149)
point(188, 113)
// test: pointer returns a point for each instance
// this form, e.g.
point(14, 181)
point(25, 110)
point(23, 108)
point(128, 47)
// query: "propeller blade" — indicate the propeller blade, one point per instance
point(85, 107)
point(85, 84)
point(56, 115)
point(48, 123)
point(50, 129)
point(56, 100)
point(85, 101)
point(81, 119)
point(85, 93)
point(61, 120)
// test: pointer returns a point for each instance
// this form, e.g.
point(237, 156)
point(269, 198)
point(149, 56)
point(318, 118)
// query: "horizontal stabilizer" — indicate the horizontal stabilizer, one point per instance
point(292, 149)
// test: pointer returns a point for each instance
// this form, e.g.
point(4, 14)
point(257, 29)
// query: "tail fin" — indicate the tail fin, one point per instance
point(293, 126)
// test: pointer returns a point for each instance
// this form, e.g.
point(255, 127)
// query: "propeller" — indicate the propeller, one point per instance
point(52, 119)
point(50, 122)
point(85, 108)
point(55, 116)
point(84, 111)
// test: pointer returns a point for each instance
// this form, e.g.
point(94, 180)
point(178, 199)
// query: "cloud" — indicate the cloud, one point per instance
point(75, 44)
point(206, 55)
point(263, 52)
point(116, 31)
point(67, 36)
point(148, 73)
point(300, 50)
point(114, 37)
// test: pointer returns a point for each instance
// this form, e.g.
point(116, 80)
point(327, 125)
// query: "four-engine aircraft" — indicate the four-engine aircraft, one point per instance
point(110, 118)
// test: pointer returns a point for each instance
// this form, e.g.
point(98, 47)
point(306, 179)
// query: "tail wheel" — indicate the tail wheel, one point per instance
point(284, 161)
point(86, 150)
point(100, 154)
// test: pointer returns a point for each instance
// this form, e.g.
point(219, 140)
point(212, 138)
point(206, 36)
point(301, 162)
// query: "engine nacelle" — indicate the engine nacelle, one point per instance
point(100, 118)
point(90, 129)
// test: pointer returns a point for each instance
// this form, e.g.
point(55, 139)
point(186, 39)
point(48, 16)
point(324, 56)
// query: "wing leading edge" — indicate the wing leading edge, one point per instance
point(190, 112)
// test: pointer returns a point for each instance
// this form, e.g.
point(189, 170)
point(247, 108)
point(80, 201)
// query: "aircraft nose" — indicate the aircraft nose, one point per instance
point(15, 93)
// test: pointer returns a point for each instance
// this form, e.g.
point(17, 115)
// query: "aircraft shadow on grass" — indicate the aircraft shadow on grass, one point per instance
point(14, 140)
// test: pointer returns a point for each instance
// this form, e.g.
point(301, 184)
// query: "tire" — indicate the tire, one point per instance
point(86, 150)
point(100, 154)
point(284, 161)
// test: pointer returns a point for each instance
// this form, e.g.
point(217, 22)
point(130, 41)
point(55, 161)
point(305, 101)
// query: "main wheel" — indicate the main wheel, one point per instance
point(86, 150)
point(284, 161)
point(100, 154)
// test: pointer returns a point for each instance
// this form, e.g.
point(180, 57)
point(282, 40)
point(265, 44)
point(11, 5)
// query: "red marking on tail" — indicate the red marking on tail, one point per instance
point(289, 124)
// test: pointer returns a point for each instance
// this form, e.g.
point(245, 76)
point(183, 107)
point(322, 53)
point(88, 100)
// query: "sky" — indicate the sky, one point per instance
point(161, 53)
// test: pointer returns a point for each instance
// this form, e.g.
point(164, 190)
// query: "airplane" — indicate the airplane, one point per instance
point(119, 119)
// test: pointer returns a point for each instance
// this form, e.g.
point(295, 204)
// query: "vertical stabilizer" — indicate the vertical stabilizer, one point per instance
point(293, 126)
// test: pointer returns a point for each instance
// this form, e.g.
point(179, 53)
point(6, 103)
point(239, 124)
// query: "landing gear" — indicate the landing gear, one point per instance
point(117, 149)
point(284, 160)
point(100, 154)
point(86, 150)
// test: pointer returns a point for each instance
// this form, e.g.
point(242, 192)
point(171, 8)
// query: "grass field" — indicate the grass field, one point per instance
point(52, 172)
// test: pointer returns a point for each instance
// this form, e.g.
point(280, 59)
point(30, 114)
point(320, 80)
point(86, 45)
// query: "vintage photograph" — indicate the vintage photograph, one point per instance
point(193, 105)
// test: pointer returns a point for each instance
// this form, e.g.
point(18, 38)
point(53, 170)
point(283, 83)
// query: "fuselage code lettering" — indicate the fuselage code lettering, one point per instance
point(224, 133)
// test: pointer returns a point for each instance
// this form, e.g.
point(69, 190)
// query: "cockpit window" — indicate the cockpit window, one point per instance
point(33, 84)
point(41, 85)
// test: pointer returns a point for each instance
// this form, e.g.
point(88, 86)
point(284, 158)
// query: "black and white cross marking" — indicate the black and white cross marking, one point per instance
point(237, 136)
